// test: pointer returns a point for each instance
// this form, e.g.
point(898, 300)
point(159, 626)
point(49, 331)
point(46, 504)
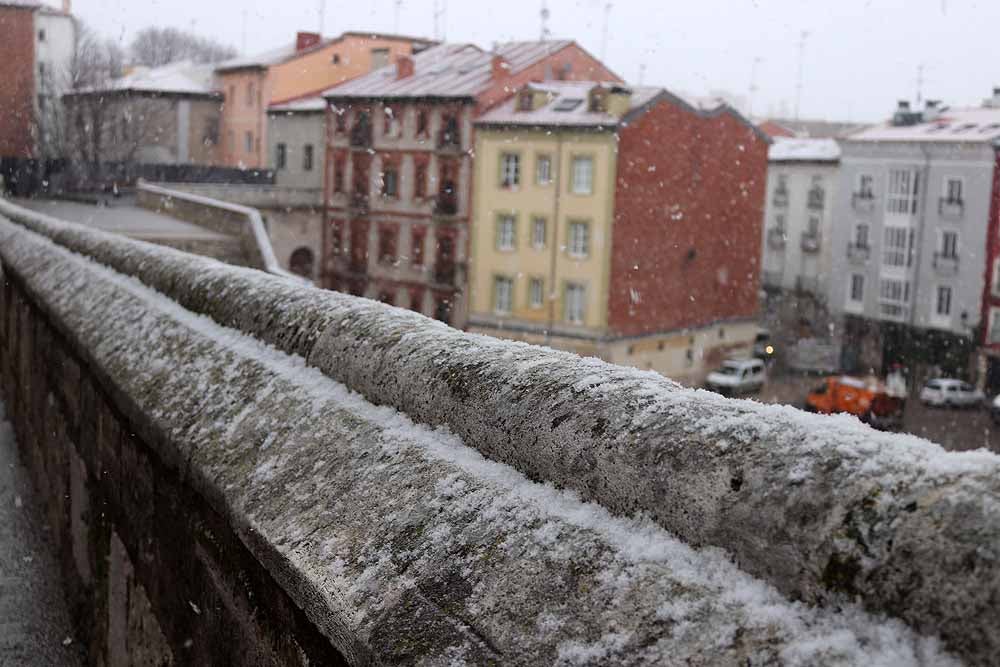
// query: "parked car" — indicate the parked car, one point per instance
point(763, 347)
point(737, 376)
point(950, 392)
point(869, 400)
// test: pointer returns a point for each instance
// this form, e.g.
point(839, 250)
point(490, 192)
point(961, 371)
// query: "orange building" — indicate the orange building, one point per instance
point(310, 65)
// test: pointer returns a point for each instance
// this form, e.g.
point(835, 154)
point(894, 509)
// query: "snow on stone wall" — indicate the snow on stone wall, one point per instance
point(386, 513)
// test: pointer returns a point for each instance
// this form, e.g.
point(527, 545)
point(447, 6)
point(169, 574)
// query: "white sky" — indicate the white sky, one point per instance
point(860, 55)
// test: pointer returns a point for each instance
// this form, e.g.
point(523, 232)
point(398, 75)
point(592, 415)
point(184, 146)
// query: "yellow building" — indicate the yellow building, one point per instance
point(544, 267)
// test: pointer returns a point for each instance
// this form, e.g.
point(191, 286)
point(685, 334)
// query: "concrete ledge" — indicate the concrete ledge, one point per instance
point(823, 507)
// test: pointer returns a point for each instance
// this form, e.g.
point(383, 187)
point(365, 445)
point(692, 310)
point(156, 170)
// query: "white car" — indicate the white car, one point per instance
point(950, 392)
point(737, 376)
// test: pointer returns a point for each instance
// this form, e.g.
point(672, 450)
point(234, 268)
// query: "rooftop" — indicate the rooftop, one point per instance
point(566, 106)
point(793, 149)
point(181, 78)
point(301, 105)
point(969, 125)
point(446, 70)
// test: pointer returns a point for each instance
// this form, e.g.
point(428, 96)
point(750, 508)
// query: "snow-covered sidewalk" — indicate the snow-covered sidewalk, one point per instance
point(35, 626)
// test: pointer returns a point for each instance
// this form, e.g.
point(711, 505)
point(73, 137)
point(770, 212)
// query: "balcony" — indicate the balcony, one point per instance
point(857, 253)
point(816, 199)
point(776, 238)
point(807, 285)
point(359, 203)
point(361, 137)
point(810, 242)
point(945, 265)
point(951, 209)
point(863, 202)
point(780, 198)
point(446, 204)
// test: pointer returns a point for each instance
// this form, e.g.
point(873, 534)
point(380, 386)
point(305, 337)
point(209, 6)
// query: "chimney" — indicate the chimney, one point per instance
point(499, 68)
point(903, 105)
point(404, 67)
point(932, 110)
point(67, 7)
point(304, 40)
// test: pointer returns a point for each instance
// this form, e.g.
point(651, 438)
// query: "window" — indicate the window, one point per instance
point(422, 130)
point(336, 239)
point(538, 234)
point(524, 101)
point(536, 293)
point(510, 170)
point(782, 186)
point(943, 308)
point(567, 104)
point(506, 234)
point(583, 175)
point(857, 291)
point(390, 182)
point(813, 228)
point(417, 247)
point(894, 296)
point(338, 175)
point(779, 222)
point(335, 59)
point(281, 156)
point(340, 121)
point(543, 170)
point(949, 244)
point(574, 303)
point(579, 239)
point(307, 157)
point(898, 246)
point(904, 186)
point(861, 235)
point(995, 326)
point(420, 187)
point(387, 245)
point(380, 58)
point(250, 94)
point(866, 186)
point(390, 123)
point(41, 35)
point(953, 190)
point(248, 142)
point(503, 294)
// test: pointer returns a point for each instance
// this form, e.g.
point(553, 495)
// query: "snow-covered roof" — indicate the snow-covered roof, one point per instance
point(302, 105)
point(289, 51)
point(181, 78)
point(559, 110)
point(446, 70)
point(792, 149)
point(969, 125)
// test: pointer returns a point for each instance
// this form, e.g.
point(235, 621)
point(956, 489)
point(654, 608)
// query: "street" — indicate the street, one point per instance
point(953, 429)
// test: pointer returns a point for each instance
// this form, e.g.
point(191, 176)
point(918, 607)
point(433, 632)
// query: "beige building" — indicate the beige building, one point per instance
point(579, 236)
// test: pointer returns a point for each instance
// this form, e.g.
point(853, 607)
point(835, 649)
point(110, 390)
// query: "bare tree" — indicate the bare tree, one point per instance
point(154, 47)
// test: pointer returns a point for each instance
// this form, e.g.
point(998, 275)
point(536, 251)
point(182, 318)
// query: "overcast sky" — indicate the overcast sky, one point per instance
point(860, 56)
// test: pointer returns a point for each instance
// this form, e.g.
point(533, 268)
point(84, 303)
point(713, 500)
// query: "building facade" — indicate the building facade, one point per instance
point(589, 236)
point(307, 67)
point(399, 159)
point(295, 134)
point(802, 180)
point(910, 237)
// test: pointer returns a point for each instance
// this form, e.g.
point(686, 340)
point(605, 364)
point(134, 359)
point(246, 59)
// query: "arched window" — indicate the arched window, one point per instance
point(301, 262)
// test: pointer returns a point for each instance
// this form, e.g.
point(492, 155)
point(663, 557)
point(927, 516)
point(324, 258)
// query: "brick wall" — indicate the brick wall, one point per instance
point(17, 81)
point(689, 206)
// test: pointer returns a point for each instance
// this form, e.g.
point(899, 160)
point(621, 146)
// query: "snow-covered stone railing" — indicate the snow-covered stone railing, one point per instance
point(401, 543)
point(243, 222)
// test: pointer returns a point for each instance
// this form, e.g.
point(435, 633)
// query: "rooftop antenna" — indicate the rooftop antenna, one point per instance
point(642, 72)
point(395, 17)
point(753, 84)
point(546, 33)
point(604, 30)
point(440, 20)
point(920, 82)
point(322, 16)
point(798, 81)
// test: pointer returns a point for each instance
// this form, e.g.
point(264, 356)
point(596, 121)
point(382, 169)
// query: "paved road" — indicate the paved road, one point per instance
point(951, 428)
point(122, 217)
point(35, 626)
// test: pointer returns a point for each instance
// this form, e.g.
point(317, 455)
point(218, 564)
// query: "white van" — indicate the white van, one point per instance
point(737, 376)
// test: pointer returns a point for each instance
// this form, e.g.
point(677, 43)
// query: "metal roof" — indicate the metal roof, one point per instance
point(793, 149)
point(551, 114)
point(301, 105)
point(446, 70)
point(289, 52)
point(182, 78)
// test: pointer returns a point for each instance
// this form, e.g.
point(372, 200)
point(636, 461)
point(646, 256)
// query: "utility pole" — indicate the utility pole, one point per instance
point(798, 82)
point(545, 33)
point(604, 32)
point(753, 85)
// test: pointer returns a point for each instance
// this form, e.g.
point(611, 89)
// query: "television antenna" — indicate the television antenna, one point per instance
point(545, 32)
point(440, 19)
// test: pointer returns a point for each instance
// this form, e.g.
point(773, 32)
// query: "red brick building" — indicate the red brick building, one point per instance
point(17, 80)
point(398, 178)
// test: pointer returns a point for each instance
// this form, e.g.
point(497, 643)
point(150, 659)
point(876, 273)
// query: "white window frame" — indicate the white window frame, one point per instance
point(575, 303)
point(506, 232)
point(538, 240)
point(578, 239)
point(510, 171)
point(993, 335)
point(937, 314)
point(850, 288)
point(892, 252)
point(942, 235)
point(902, 191)
point(995, 278)
point(867, 235)
point(543, 176)
point(900, 300)
point(582, 181)
point(945, 182)
point(536, 293)
point(503, 294)
point(862, 192)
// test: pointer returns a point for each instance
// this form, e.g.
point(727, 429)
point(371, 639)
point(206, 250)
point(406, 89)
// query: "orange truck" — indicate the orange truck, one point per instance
point(868, 400)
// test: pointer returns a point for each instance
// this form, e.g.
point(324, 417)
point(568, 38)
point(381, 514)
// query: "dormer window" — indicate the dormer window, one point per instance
point(598, 101)
point(524, 101)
